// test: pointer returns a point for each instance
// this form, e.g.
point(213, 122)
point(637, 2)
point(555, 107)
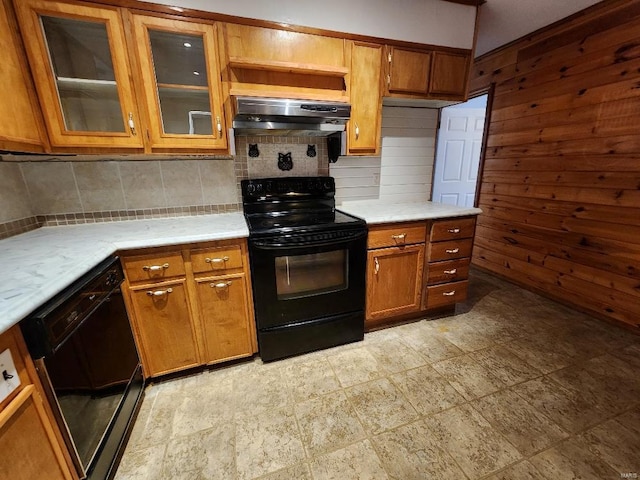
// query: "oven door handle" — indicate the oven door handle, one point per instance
point(275, 244)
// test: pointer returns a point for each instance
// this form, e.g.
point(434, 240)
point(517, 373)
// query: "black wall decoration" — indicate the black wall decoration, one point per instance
point(253, 150)
point(285, 162)
point(311, 151)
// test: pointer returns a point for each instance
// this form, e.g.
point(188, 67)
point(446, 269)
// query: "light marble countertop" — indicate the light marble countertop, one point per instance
point(377, 211)
point(39, 264)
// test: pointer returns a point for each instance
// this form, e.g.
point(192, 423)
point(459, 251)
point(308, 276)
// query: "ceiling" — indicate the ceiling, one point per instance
point(502, 21)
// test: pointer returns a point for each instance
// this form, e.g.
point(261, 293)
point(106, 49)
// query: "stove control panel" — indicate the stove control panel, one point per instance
point(288, 187)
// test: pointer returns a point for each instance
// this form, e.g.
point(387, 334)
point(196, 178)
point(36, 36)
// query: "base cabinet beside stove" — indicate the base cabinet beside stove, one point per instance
point(395, 261)
point(190, 305)
point(416, 268)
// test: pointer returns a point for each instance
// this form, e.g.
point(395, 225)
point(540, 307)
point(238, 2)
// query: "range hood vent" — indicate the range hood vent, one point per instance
point(285, 117)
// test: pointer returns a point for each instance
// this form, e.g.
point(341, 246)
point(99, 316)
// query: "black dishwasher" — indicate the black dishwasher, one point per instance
point(85, 355)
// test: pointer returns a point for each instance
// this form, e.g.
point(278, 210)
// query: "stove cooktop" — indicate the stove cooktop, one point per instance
point(285, 222)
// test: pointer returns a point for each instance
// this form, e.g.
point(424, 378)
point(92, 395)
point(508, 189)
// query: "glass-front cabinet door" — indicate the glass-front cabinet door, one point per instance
point(79, 60)
point(181, 76)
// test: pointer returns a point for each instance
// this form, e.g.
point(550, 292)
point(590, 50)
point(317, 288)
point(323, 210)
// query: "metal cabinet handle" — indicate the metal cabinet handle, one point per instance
point(452, 250)
point(357, 131)
point(159, 293)
point(453, 271)
point(155, 268)
point(217, 260)
point(449, 294)
point(453, 230)
point(401, 237)
point(132, 124)
point(221, 284)
point(377, 263)
point(219, 126)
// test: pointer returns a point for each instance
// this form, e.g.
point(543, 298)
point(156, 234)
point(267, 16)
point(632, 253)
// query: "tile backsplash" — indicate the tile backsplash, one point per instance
point(36, 193)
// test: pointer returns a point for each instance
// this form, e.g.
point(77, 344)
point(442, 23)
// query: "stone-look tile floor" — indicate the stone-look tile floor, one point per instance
point(513, 386)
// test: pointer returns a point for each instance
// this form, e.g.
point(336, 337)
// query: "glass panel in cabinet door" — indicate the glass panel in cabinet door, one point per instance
point(81, 60)
point(183, 86)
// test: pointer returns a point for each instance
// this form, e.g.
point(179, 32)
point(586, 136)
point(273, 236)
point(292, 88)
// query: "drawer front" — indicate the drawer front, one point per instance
point(397, 234)
point(446, 294)
point(450, 250)
point(452, 228)
point(449, 271)
point(215, 259)
point(145, 268)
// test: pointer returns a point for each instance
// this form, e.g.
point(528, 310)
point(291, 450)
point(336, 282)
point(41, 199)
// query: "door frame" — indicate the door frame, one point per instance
point(485, 137)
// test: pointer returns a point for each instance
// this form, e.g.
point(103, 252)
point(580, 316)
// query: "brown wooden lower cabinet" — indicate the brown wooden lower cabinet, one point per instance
point(165, 328)
point(204, 316)
point(417, 267)
point(29, 439)
point(224, 310)
point(394, 281)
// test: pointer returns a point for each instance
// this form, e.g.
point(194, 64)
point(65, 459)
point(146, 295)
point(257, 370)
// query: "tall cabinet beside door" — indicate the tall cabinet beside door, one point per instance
point(180, 75)
point(79, 61)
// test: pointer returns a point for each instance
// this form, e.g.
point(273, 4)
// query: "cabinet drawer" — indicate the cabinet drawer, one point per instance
point(446, 294)
point(450, 250)
point(452, 228)
point(216, 259)
point(153, 267)
point(397, 234)
point(449, 271)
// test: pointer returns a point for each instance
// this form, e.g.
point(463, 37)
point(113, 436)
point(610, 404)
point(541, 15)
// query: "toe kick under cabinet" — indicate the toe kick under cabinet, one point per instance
point(417, 267)
point(190, 305)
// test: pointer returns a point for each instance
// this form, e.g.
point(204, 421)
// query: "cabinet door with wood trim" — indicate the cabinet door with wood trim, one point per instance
point(162, 321)
point(394, 281)
point(449, 74)
point(224, 315)
point(366, 98)
point(408, 71)
point(20, 120)
point(80, 65)
point(180, 73)
point(29, 439)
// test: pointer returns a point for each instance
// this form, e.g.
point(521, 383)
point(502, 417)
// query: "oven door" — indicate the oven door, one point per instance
point(298, 278)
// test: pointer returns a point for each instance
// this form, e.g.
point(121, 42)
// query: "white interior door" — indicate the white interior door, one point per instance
point(458, 155)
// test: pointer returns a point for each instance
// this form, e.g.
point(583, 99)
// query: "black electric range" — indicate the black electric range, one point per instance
point(308, 264)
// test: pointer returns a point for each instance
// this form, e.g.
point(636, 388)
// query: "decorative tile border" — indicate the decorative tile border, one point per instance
point(16, 227)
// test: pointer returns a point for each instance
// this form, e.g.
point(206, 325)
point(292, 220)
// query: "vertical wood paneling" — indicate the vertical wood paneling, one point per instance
point(561, 183)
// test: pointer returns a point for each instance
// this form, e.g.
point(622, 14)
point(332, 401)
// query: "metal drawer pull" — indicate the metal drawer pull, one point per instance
point(377, 269)
point(449, 294)
point(400, 236)
point(217, 260)
point(221, 284)
point(155, 268)
point(454, 230)
point(453, 271)
point(452, 250)
point(159, 293)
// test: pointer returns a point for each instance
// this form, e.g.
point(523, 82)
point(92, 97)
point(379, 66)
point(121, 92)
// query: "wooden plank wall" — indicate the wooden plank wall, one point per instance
point(560, 188)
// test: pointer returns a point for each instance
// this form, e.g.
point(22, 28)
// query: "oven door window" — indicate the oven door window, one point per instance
point(299, 276)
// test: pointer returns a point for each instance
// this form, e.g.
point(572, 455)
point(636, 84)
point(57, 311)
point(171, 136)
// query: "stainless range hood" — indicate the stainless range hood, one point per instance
point(285, 117)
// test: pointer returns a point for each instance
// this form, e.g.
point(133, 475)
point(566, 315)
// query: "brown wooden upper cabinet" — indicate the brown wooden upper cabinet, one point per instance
point(449, 74)
point(428, 74)
point(78, 57)
point(408, 71)
point(180, 75)
point(366, 99)
point(20, 123)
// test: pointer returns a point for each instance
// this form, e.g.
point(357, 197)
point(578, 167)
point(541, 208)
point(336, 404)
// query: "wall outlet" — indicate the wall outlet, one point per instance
point(9, 378)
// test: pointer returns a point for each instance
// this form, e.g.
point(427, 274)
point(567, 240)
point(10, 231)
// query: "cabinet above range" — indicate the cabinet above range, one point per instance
point(133, 77)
